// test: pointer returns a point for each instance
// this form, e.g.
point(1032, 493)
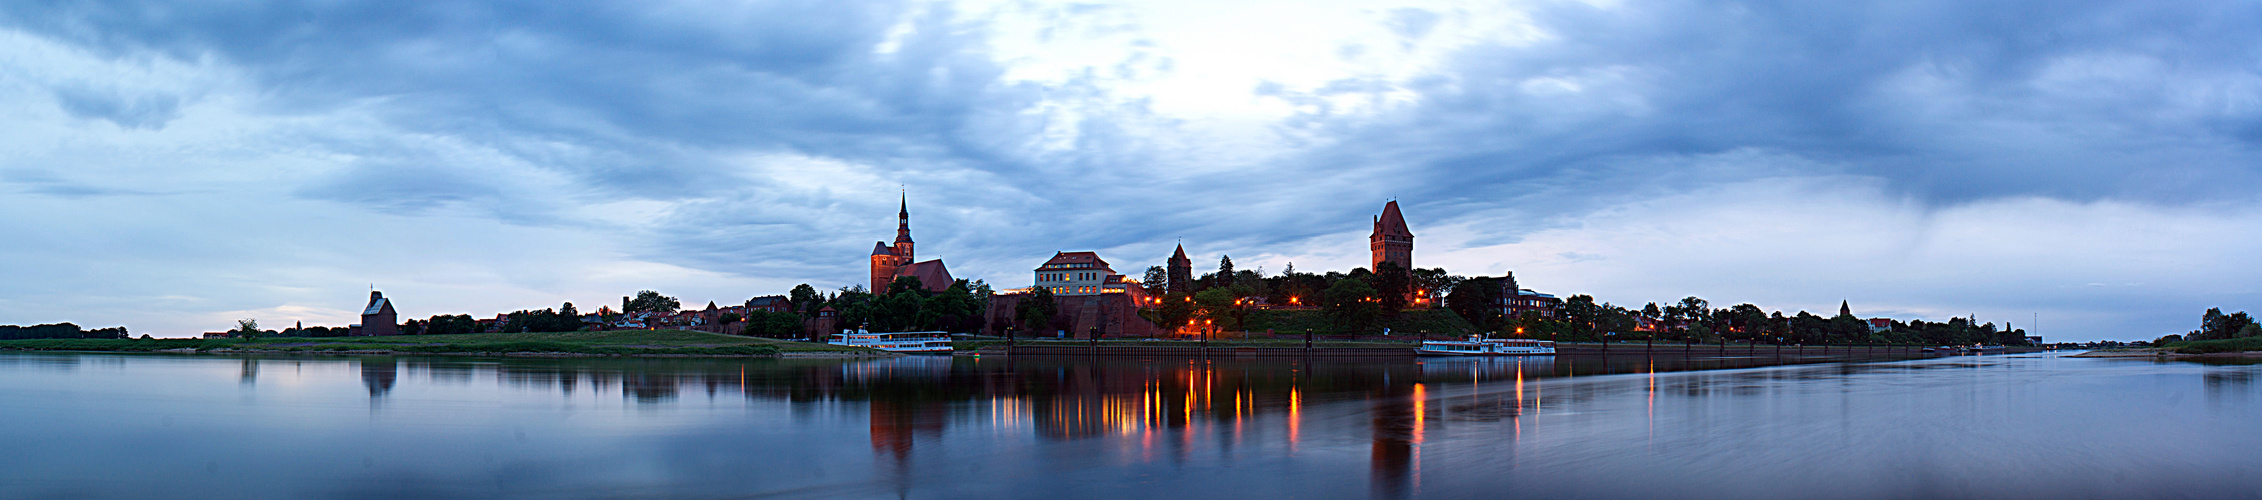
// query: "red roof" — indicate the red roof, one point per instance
point(1391, 222)
point(1092, 259)
point(931, 274)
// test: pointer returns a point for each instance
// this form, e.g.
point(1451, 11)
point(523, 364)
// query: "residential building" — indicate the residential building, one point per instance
point(1515, 301)
point(1083, 273)
point(891, 262)
point(1879, 325)
point(768, 303)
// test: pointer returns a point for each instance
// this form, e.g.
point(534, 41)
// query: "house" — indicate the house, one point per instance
point(768, 303)
point(378, 318)
point(1879, 325)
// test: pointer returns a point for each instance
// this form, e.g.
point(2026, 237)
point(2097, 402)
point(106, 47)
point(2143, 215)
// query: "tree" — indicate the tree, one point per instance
point(1478, 301)
point(1035, 311)
point(246, 328)
point(805, 300)
point(1352, 305)
point(1582, 316)
point(651, 301)
point(1217, 305)
point(1224, 271)
point(2215, 325)
point(1392, 284)
point(1156, 281)
point(1434, 284)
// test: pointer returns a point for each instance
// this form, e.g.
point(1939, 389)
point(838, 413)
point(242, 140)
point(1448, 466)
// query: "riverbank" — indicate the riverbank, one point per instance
point(636, 343)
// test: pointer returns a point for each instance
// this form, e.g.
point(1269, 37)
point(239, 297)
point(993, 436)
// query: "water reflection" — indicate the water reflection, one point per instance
point(1217, 427)
point(378, 375)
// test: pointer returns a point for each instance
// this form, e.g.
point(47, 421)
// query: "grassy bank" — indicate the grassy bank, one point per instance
point(611, 343)
point(2245, 344)
point(1295, 321)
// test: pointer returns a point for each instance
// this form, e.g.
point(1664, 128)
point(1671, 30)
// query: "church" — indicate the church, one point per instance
point(891, 262)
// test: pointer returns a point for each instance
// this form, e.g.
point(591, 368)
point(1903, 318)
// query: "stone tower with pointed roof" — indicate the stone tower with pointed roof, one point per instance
point(1181, 271)
point(1391, 241)
point(891, 262)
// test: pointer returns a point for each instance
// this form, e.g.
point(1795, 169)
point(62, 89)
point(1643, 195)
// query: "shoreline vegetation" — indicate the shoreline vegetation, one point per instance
point(633, 343)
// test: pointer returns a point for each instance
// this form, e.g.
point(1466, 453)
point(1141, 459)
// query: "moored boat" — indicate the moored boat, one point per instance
point(1477, 346)
point(902, 342)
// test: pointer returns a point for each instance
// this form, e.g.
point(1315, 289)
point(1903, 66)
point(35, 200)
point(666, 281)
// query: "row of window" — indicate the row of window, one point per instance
point(1062, 290)
point(1087, 276)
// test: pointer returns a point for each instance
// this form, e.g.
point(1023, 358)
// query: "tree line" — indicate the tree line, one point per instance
point(2214, 325)
point(60, 331)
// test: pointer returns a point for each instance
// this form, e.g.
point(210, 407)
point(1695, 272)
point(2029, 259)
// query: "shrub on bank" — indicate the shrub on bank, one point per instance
point(2214, 346)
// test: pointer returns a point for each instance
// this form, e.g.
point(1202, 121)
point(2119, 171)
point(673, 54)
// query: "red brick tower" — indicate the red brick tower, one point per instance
point(1391, 241)
point(888, 262)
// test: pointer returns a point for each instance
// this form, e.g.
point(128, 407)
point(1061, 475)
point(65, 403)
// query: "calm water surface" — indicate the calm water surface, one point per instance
point(144, 426)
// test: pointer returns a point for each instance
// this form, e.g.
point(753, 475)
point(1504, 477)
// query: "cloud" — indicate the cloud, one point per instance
point(731, 148)
point(139, 112)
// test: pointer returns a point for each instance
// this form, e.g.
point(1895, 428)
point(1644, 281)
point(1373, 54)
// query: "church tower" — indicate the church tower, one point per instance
point(887, 261)
point(903, 229)
point(1391, 241)
point(1181, 271)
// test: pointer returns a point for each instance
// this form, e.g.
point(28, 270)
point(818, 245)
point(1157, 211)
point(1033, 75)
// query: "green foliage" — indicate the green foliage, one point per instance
point(1036, 311)
point(2214, 325)
point(450, 324)
point(1391, 284)
point(2243, 344)
point(60, 331)
point(1352, 306)
point(805, 300)
point(247, 328)
point(1438, 322)
point(1477, 300)
point(774, 325)
point(651, 301)
point(540, 321)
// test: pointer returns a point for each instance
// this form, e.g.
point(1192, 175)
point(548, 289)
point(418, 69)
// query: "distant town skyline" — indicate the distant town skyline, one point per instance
point(174, 168)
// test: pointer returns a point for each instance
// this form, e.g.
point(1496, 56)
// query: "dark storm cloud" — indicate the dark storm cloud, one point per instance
point(1947, 102)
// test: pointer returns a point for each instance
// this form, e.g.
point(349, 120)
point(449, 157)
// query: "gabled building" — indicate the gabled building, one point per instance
point(893, 261)
point(1079, 273)
point(768, 303)
point(377, 318)
point(1391, 241)
point(1180, 272)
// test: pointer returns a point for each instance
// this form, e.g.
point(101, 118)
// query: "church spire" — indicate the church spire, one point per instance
point(903, 220)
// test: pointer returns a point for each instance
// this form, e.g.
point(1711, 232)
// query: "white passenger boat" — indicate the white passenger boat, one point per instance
point(903, 342)
point(1476, 346)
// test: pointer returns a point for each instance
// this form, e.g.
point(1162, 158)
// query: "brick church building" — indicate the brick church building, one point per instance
point(891, 262)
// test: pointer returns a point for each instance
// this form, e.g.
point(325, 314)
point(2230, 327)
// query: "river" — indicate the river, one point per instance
point(2003, 426)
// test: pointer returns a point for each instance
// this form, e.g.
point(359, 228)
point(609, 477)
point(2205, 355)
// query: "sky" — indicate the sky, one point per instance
point(173, 166)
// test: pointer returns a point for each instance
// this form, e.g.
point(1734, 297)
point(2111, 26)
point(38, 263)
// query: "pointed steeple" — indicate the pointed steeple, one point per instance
point(1845, 308)
point(903, 221)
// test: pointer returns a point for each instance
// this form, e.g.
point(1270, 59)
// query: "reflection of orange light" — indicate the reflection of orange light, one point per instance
point(1295, 418)
point(1421, 401)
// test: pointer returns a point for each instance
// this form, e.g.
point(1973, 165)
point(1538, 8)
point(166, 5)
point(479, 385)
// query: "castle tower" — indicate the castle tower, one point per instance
point(1391, 241)
point(1181, 271)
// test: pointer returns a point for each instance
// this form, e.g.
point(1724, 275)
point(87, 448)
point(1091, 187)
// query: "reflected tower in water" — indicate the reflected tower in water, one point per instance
point(378, 374)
